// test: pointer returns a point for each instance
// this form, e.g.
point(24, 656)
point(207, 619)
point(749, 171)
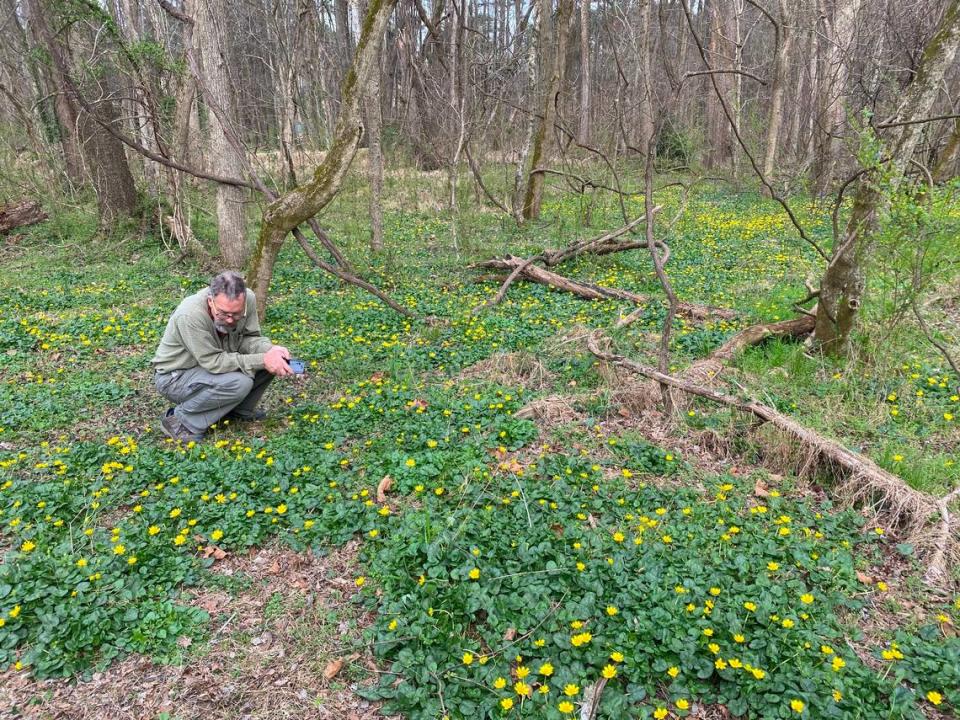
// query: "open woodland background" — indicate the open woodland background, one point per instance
point(633, 336)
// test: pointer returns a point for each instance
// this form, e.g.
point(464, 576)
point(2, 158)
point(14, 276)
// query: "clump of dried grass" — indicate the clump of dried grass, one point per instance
point(520, 369)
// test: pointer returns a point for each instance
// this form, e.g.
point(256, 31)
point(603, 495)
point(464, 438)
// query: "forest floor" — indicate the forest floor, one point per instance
point(588, 554)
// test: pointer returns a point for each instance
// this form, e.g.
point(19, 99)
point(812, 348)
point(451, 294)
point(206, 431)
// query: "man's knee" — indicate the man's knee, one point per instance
point(235, 385)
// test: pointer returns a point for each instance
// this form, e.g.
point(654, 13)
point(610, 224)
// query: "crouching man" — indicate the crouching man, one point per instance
point(213, 362)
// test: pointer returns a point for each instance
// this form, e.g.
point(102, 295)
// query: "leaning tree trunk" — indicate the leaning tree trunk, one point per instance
point(224, 157)
point(947, 160)
point(843, 284)
point(303, 202)
point(544, 131)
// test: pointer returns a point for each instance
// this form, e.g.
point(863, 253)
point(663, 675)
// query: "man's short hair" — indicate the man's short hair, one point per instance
point(228, 283)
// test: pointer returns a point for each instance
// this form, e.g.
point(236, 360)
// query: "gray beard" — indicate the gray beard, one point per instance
point(222, 329)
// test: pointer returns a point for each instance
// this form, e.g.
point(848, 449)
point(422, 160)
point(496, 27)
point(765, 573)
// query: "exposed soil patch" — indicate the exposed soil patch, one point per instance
point(270, 643)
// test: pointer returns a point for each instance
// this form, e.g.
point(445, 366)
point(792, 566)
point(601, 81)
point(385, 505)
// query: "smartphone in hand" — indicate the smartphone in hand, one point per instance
point(299, 367)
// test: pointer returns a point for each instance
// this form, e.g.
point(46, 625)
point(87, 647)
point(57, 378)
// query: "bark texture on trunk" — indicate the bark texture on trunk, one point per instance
point(723, 54)
point(553, 54)
point(583, 134)
point(224, 157)
point(781, 70)
point(843, 284)
point(300, 204)
point(839, 35)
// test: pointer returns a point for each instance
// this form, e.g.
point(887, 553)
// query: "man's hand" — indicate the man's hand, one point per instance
point(275, 361)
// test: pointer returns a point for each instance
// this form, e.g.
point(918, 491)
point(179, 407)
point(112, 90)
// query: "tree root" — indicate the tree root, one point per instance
point(860, 479)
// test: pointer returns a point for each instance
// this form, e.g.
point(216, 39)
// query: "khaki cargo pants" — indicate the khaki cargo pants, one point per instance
point(202, 397)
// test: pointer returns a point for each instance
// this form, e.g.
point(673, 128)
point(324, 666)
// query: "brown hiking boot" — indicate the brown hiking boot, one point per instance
point(176, 430)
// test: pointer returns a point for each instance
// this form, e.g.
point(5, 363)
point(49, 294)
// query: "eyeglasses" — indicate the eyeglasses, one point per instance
point(223, 315)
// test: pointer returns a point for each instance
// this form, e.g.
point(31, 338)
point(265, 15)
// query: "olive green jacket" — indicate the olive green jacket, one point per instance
point(191, 340)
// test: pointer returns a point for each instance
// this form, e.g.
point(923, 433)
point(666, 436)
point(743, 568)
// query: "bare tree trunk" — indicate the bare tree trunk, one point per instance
point(523, 162)
point(64, 110)
point(554, 63)
point(843, 284)
point(839, 32)
point(104, 157)
point(374, 125)
point(784, 49)
point(723, 53)
point(583, 135)
point(224, 157)
point(646, 112)
point(303, 202)
point(946, 166)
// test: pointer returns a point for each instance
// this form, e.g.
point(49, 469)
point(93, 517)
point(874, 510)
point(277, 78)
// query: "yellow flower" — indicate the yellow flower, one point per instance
point(546, 669)
point(119, 549)
point(468, 658)
point(153, 530)
point(571, 690)
point(618, 537)
point(838, 663)
point(506, 703)
point(82, 562)
point(773, 566)
point(581, 639)
point(27, 546)
point(806, 599)
point(500, 683)
point(673, 671)
point(566, 707)
point(411, 462)
point(216, 535)
point(360, 581)
point(660, 713)
point(683, 704)
point(837, 696)
point(612, 610)
point(521, 688)
point(175, 512)
point(738, 638)
point(392, 625)
point(179, 540)
point(609, 672)
point(522, 670)
point(934, 697)
point(616, 656)
point(750, 606)
point(797, 705)
point(14, 611)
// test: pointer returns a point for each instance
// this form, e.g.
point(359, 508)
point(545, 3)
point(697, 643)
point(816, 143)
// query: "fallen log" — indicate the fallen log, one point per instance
point(600, 245)
point(525, 267)
point(861, 479)
point(20, 213)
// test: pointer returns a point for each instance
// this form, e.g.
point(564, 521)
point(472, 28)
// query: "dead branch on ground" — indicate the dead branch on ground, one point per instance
point(861, 479)
point(20, 213)
point(523, 267)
